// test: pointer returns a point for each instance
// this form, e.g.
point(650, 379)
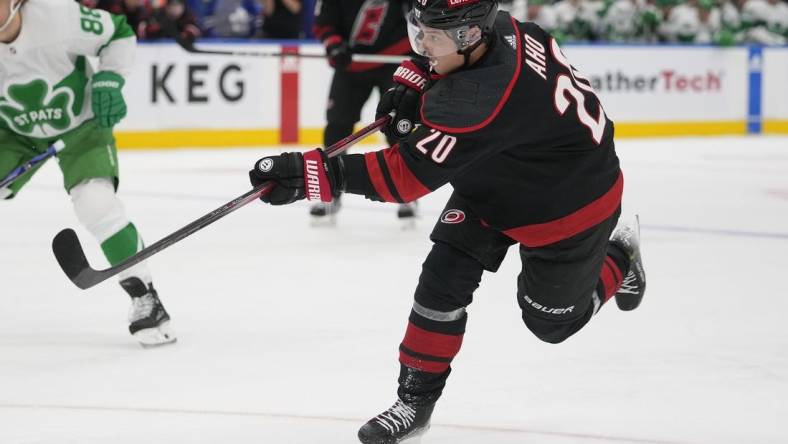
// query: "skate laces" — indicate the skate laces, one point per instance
point(630, 284)
point(398, 417)
point(624, 236)
point(141, 307)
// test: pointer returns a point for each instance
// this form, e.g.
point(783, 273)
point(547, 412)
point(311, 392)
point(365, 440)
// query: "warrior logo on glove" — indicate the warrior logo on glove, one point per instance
point(404, 126)
point(402, 101)
point(410, 75)
point(266, 164)
point(315, 177)
point(296, 176)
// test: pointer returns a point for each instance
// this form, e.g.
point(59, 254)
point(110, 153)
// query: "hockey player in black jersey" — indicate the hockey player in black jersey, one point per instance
point(346, 27)
point(525, 143)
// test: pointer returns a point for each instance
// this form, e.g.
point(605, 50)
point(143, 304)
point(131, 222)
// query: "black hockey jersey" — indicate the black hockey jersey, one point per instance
point(368, 26)
point(520, 135)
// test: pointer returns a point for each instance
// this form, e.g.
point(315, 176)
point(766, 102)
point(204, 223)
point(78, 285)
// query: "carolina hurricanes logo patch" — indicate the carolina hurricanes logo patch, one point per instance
point(452, 216)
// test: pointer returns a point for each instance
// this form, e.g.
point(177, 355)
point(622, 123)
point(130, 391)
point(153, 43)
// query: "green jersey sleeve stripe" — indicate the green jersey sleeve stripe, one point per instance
point(122, 31)
point(122, 27)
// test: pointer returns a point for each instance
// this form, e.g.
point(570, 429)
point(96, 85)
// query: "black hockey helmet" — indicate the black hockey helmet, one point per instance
point(456, 18)
point(447, 14)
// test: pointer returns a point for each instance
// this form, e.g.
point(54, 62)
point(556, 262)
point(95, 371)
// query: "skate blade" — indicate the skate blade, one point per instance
point(408, 220)
point(156, 337)
point(408, 223)
point(416, 437)
point(329, 220)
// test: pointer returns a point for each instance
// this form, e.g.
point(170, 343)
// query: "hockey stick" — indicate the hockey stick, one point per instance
point(363, 58)
point(71, 257)
point(18, 171)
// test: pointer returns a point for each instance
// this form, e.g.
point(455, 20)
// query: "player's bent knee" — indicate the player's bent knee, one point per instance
point(98, 208)
point(553, 324)
point(549, 332)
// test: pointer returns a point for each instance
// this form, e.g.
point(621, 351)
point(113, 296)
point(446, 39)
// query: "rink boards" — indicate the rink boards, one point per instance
point(180, 99)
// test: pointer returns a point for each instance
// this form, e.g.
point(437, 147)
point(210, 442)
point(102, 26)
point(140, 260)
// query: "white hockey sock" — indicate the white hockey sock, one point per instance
point(98, 208)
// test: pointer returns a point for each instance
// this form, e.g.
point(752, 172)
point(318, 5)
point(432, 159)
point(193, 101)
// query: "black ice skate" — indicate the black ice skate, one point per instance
point(149, 322)
point(401, 423)
point(627, 238)
point(406, 213)
point(325, 212)
point(406, 210)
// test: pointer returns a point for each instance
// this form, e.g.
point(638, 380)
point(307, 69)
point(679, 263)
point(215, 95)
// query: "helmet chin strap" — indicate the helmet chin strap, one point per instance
point(13, 9)
point(466, 53)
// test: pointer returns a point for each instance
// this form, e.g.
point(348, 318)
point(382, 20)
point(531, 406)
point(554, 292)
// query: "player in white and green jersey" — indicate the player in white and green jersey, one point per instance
point(48, 91)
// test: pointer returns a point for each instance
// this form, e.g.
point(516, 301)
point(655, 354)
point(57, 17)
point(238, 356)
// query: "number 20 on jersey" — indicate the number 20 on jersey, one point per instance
point(442, 144)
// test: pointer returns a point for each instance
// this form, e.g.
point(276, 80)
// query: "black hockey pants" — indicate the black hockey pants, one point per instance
point(559, 288)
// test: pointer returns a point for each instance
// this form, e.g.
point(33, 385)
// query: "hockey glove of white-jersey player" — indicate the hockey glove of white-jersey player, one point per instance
point(404, 98)
point(297, 176)
point(107, 101)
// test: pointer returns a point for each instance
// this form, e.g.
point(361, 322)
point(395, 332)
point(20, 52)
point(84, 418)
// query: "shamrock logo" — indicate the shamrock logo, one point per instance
point(32, 109)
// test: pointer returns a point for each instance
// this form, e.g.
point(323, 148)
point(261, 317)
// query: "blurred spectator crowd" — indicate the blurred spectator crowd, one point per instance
point(187, 20)
point(720, 22)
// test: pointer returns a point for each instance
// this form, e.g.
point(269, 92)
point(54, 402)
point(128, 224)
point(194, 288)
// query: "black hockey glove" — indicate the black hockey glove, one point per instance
point(297, 176)
point(404, 98)
point(338, 52)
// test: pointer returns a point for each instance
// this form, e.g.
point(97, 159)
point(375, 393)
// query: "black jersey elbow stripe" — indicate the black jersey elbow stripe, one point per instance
point(408, 184)
point(391, 178)
point(384, 169)
point(376, 180)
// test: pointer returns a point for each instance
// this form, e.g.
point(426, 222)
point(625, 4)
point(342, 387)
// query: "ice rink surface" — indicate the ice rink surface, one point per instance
point(289, 334)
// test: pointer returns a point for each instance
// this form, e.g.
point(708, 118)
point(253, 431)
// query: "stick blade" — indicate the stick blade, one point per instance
point(71, 257)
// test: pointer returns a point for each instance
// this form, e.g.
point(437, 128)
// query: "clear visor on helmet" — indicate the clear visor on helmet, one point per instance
point(433, 42)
